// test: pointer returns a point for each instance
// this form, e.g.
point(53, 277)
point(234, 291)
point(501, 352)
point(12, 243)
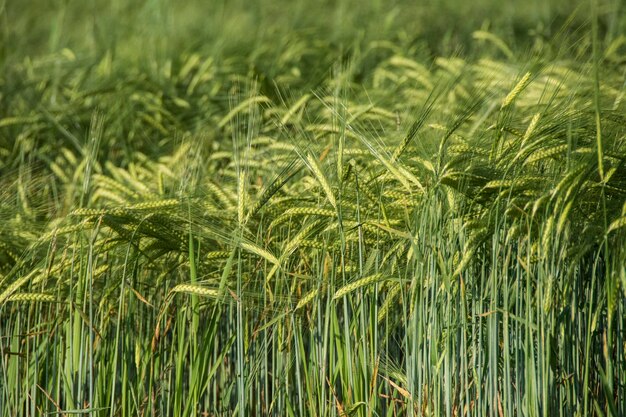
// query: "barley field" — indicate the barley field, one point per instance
point(313, 208)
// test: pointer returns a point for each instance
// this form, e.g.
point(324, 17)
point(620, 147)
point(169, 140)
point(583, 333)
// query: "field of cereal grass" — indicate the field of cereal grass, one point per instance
point(299, 208)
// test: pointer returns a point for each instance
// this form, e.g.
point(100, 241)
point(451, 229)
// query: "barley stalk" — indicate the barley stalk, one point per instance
point(519, 87)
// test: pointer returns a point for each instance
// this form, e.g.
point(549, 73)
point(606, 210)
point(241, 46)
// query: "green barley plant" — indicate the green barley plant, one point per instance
point(299, 208)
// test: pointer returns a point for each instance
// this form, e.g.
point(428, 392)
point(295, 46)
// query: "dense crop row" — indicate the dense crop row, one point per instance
point(301, 230)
